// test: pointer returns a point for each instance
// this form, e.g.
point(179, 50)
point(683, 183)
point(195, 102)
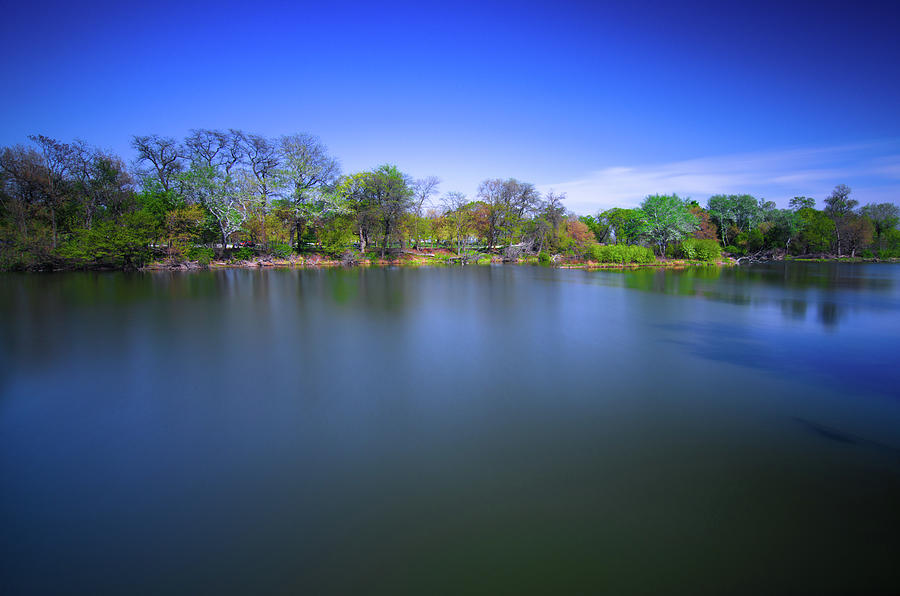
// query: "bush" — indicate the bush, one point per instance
point(701, 250)
point(245, 253)
point(281, 250)
point(733, 250)
point(621, 253)
point(543, 257)
point(201, 254)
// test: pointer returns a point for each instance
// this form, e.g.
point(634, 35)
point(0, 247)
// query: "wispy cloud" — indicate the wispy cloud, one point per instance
point(871, 169)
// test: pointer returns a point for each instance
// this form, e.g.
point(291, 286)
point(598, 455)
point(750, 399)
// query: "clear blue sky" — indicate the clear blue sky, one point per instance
point(605, 101)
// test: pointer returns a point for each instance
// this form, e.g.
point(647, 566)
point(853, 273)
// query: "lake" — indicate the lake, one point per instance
point(496, 429)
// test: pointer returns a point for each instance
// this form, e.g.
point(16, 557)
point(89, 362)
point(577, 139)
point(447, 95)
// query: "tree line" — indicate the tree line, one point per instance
point(74, 205)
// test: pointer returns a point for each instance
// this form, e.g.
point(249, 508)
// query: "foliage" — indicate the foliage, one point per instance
point(244, 253)
point(72, 204)
point(667, 219)
point(621, 253)
point(739, 213)
point(699, 249)
point(123, 245)
point(281, 250)
point(817, 231)
point(201, 253)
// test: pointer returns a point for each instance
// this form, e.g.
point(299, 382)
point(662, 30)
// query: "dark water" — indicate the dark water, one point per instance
point(479, 430)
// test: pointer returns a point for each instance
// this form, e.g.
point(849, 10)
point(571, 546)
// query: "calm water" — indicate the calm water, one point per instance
point(486, 429)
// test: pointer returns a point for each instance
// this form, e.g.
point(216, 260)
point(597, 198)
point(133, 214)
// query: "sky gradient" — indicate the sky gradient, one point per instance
point(607, 102)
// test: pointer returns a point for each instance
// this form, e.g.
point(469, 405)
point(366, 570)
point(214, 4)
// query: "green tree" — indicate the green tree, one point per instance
point(666, 219)
point(884, 217)
point(839, 206)
point(816, 231)
point(738, 212)
point(389, 193)
point(306, 173)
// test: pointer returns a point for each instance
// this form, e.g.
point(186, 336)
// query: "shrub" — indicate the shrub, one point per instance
point(281, 250)
point(543, 257)
point(621, 253)
point(701, 250)
point(201, 254)
point(733, 250)
point(244, 253)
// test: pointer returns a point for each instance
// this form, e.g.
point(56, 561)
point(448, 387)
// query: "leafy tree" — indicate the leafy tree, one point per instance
point(624, 225)
point(666, 219)
point(706, 229)
point(122, 244)
point(816, 231)
point(457, 211)
point(798, 203)
point(738, 212)
point(306, 174)
point(884, 217)
point(839, 206)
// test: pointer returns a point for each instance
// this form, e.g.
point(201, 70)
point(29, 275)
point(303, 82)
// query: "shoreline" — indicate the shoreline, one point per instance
point(317, 261)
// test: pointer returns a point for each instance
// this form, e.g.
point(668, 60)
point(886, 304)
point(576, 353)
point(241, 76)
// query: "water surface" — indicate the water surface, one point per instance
point(485, 429)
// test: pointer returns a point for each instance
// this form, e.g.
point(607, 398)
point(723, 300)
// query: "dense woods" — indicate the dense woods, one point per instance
point(231, 194)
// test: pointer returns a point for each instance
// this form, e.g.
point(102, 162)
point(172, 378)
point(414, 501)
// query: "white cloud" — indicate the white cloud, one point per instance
point(871, 169)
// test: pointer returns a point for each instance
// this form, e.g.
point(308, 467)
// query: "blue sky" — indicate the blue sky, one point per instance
point(607, 102)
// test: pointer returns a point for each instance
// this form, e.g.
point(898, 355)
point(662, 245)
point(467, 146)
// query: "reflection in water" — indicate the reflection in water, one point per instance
point(494, 429)
point(834, 288)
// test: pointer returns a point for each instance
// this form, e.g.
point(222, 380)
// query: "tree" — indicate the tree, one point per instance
point(839, 206)
point(226, 197)
point(22, 169)
point(423, 189)
point(798, 203)
point(580, 235)
point(457, 211)
point(740, 212)
point(389, 191)
point(706, 229)
point(262, 158)
point(858, 232)
point(163, 154)
point(507, 202)
point(666, 219)
point(306, 169)
point(623, 225)
point(816, 230)
point(53, 182)
point(353, 190)
point(884, 217)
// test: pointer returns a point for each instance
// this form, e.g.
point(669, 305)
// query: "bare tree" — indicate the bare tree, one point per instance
point(22, 170)
point(164, 155)
point(205, 146)
point(423, 189)
point(56, 158)
point(508, 201)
